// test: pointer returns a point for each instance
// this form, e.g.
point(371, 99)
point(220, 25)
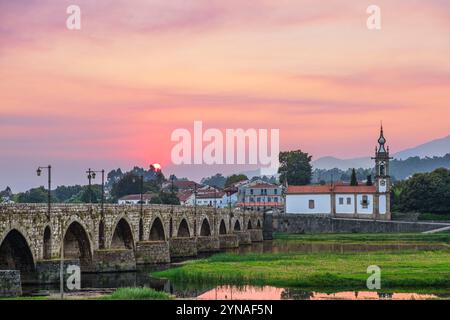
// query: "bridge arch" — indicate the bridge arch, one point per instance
point(249, 224)
point(222, 227)
point(122, 235)
point(77, 245)
point(157, 230)
point(237, 226)
point(15, 253)
point(47, 243)
point(205, 229)
point(258, 224)
point(183, 229)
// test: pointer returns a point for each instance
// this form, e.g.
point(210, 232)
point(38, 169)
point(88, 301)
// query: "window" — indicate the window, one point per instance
point(275, 199)
point(341, 201)
point(311, 204)
point(251, 191)
point(252, 199)
point(349, 200)
point(275, 191)
point(365, 201)
point(258, 199)
point(269, 199)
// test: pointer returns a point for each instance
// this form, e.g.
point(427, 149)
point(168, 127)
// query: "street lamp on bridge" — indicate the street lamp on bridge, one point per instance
point(49, 200)
point(91, 174)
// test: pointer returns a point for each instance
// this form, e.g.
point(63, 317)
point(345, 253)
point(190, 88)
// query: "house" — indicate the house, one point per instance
point(338, 200)
point(136, 198)
point(260, 196)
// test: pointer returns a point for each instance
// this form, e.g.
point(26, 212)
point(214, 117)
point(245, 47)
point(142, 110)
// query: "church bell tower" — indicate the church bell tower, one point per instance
point(382, 177)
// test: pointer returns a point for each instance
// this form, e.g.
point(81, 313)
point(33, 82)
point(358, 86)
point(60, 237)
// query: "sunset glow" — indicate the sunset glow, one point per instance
point(110, 94)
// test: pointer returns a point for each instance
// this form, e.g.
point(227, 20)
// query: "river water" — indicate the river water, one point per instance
point(107, 282)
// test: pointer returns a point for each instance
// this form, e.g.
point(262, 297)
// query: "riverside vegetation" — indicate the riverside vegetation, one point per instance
point(422, 269)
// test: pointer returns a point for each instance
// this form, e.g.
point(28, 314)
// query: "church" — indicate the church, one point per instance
point(345, 201)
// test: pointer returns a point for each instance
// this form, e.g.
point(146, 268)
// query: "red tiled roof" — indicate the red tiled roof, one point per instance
point(210, 195)
point(260, 204)
point(184, 195)
point(309, 189)
point(327, 189)
point(145, 196)
point(355, 189)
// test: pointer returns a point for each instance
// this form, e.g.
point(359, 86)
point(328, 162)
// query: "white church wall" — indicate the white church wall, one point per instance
point(345, 208)
point(382, 204)
point(360, 208)
point(299, 203)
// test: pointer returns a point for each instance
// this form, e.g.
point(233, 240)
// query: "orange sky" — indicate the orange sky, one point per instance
point(111, 94)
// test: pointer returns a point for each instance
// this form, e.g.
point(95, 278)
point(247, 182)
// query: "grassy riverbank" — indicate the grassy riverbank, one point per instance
point(400, 269)
point(368, 238)
point(137, 294)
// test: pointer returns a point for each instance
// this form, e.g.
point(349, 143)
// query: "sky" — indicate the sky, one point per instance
point(110, 95)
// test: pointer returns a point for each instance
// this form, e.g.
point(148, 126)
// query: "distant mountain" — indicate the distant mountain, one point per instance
point(328, 163)
point(438, 148)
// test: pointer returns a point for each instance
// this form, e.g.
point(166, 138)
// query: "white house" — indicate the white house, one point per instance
point(336, 200)
point(136, 198)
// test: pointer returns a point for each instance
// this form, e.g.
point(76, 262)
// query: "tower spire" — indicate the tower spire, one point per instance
point(381, 140)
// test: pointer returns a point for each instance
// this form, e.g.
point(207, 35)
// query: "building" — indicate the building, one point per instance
point(347, 201)
point(136, 198)
point(260, 196)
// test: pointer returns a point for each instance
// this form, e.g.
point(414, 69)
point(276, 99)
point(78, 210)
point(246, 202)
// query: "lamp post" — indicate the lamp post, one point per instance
point(91, 174)
point(141, 192)
point(49, 199)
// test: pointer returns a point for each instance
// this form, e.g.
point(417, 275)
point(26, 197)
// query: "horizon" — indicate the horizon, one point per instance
point(109, 95)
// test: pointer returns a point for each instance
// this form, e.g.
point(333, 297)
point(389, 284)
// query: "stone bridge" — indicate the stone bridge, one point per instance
point(115, 238)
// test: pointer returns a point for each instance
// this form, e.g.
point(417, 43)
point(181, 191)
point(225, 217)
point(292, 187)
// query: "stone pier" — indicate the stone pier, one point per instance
point(208, 244)
point(243, 237)
point(183, 247)
point(10, 284)
point(256, 235)
point(114, 260)
point(228, 241)
point(152, 252)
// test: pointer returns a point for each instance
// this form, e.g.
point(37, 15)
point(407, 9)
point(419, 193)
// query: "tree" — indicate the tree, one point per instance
point(234, 179)
point(169, 198)
point(369, 180)
point(353, 179)
point(295, 167)
point(424, 193)
point(217, 181)
point(35, 195)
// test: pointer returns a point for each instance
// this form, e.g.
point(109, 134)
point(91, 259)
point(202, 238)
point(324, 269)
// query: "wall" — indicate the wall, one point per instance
point(323, 224)
point(299, 203)
point(10, 284)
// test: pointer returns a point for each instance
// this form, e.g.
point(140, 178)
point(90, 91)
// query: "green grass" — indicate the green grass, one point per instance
point(368, 238)
point(433, 217)
point(137, 294)
point(400, 269)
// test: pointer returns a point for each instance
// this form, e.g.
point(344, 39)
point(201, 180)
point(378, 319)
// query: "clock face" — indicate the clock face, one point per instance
point(383, 183)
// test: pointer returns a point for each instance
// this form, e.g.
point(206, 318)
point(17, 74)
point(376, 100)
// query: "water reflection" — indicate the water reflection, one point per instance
point(142, 278)
point(273, 293)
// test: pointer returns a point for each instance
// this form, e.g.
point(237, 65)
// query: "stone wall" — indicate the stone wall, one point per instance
point(152, 252)
point(114, 260)
point(208, 244)
point(228, 241)
point(48, 271)
point(291, 223)
point(183, 247)
point(243, 237)
point(256, 235)
point(10, 284)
